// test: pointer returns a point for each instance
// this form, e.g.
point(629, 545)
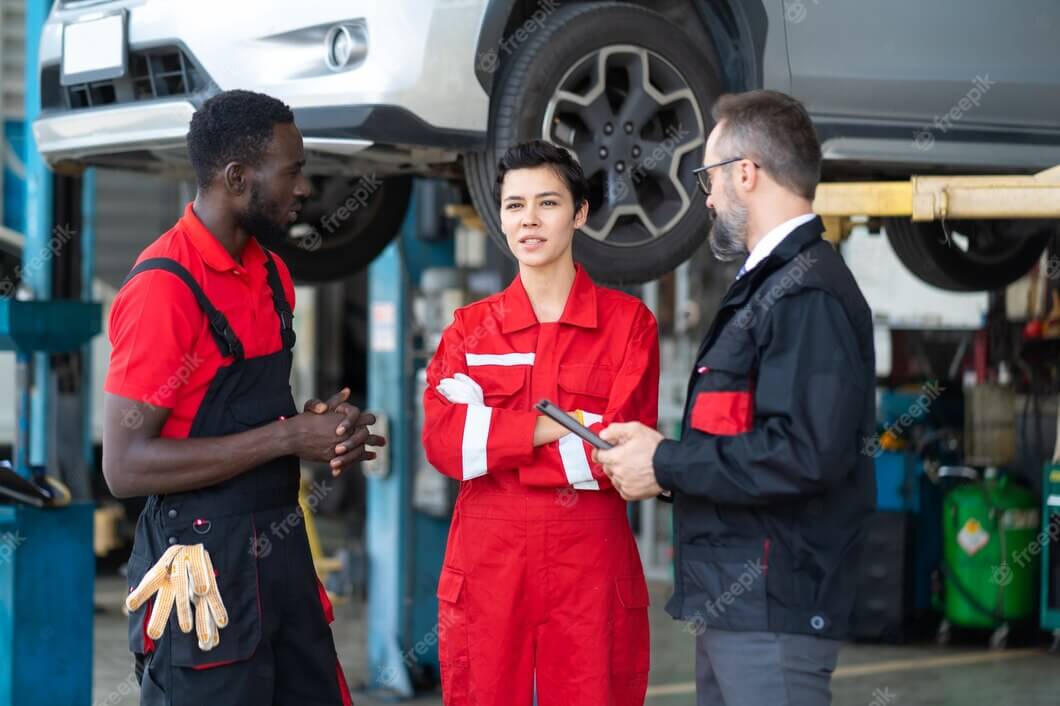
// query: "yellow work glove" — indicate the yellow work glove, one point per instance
point(156, 580)
point(184, 577)
point(210, 612)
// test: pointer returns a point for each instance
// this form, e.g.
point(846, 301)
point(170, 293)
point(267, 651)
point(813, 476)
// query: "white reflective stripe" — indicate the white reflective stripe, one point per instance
point(1053, 501)
point(476, 436)
point(590, 419)
point(575, 464)
point(575, 457)
point(474, 359)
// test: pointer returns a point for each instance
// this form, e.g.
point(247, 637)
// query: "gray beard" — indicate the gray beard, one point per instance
point(728, 233)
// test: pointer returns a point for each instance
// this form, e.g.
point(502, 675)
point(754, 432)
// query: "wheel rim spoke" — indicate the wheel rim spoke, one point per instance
point(631, 120)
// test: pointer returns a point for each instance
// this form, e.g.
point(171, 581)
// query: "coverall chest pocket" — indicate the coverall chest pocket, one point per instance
point(585, 387)
point(723, 393)
point(503, 386)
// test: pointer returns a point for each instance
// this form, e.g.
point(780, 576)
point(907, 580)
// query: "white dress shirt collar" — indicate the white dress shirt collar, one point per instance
point(772, 239)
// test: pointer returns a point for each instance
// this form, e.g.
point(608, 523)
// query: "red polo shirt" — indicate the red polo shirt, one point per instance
point(163, 351)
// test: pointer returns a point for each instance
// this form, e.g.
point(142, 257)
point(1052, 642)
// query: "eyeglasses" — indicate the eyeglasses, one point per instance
point(703, 173)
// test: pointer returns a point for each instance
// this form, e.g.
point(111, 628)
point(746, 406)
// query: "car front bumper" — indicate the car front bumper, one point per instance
point(415, 84)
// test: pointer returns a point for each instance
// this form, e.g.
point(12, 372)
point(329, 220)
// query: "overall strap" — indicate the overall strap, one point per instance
point(279, 301)
point(221, 330)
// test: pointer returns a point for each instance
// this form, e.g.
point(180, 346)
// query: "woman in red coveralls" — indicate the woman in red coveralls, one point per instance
point(542, 583)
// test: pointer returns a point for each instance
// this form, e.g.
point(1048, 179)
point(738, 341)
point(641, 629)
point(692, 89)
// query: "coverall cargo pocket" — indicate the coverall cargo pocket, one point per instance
point(725, 586)
point(630, 654)
point(452, 633)
point(235, 565)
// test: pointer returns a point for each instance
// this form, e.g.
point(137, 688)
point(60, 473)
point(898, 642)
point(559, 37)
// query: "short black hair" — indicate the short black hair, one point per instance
point(233, 126)
point(537, 153)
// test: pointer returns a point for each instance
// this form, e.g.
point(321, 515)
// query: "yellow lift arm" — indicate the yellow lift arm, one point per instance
point(929, 198)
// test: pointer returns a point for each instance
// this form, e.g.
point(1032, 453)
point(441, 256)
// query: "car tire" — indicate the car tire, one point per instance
point(972, 255)
point(669, 125)
point(345, 224)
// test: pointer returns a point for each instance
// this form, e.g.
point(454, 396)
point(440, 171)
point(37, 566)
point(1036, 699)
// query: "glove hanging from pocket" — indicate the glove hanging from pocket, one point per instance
point(210, 612)
point(183, 577)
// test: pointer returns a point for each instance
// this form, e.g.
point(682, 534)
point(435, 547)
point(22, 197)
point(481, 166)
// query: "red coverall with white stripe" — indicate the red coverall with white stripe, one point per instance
point(541, 579)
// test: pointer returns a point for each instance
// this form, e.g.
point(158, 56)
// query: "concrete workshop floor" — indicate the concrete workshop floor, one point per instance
point(921, 675)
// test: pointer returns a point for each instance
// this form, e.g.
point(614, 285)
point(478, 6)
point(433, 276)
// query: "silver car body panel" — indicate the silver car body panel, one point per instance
point(76, 134)
point(879, 90)
point(420, 58)
point(966, 155)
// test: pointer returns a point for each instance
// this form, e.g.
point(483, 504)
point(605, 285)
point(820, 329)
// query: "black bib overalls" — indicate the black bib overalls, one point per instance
point(277, 648)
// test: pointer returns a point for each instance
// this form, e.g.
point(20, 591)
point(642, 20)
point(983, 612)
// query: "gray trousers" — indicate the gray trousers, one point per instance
point(758, 668)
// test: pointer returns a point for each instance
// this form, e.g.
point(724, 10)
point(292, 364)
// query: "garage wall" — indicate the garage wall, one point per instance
point(12, 61)
point(12, 80)
point(132, 210)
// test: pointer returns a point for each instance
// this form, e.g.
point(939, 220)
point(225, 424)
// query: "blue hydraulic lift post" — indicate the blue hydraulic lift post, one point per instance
point(404, 546)
point(388, 510)
point(47, 572)
point(36, 253)
point(88, 271)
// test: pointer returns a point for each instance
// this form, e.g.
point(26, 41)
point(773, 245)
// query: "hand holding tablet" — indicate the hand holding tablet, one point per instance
point(570, 423)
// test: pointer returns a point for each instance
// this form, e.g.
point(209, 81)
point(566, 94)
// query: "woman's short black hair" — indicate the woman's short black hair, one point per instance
point(232, 126)
point(537, 153)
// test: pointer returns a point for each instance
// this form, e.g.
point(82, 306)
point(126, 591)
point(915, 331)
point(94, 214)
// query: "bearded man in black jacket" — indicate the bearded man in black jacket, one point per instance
point(768, 480)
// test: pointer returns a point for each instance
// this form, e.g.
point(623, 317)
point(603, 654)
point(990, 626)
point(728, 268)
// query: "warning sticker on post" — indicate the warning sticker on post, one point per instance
point(383, 334)
point(972, 537)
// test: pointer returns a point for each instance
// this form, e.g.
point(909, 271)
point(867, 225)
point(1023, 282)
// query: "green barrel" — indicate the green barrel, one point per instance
point(990, 553)
point(1050, 586)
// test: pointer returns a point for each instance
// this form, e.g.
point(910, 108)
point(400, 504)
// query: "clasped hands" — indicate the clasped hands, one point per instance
point(352, 437)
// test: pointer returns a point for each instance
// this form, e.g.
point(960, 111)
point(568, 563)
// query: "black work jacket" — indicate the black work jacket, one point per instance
point(769, 478)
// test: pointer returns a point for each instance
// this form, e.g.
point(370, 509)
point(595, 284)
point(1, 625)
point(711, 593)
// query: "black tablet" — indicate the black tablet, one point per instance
point(553, 412)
